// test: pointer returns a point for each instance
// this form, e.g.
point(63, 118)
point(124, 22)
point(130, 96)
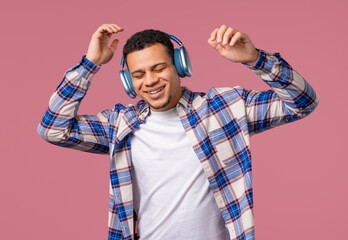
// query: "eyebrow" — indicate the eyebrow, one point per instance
point(152, 67)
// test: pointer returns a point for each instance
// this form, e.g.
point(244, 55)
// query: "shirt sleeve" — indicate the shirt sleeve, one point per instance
point(62, 126)
point(290, 97)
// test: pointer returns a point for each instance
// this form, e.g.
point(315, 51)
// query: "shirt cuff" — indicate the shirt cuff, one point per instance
point(266, 61)
point(89, 65)
point(85, 68)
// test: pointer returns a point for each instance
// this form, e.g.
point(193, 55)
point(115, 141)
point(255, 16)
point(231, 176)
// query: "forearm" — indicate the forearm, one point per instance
point(62, 126)
point(290, 97)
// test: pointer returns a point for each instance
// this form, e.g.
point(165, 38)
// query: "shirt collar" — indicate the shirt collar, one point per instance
point(143, 110)
point(186, 98)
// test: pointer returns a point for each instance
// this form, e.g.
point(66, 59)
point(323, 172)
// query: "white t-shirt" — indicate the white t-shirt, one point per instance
point(172, 196)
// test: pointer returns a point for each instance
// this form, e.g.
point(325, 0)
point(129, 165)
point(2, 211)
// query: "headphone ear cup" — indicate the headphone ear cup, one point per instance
point(182, 62)
point(127, 83)
point(185, 60)
point(178, 63)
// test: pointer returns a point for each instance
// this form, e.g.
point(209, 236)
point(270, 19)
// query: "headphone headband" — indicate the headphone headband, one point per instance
point(174, 38)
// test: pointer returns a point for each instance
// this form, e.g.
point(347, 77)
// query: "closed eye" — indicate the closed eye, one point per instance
point(138, 76)
point(159, 69)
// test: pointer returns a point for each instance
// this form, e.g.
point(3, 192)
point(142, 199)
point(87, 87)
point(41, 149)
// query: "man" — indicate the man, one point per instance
point(180, 160)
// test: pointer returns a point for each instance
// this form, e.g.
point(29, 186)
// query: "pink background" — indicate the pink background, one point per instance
point(299, 170)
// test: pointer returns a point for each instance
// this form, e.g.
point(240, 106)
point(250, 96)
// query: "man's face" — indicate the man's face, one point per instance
point(154, 77)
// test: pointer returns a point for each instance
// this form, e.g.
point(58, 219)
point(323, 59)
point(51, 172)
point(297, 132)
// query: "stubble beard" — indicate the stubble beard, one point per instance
point(163, 105)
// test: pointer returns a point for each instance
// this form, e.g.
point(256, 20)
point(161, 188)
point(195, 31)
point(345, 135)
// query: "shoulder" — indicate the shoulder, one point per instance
point(129, 112)
point(221, 95)
point(215, 98)
point(225, 92)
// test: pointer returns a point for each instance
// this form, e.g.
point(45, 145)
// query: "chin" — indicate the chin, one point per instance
point(160, 105)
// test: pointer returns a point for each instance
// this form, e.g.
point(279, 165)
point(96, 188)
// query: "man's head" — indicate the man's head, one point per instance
point(149, 56)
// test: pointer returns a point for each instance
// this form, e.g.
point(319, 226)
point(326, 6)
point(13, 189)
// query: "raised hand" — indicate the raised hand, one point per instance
point(233, 45)
point(98, 51)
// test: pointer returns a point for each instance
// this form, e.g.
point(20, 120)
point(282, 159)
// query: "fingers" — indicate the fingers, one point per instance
point(108, 29)
point(99, 51)
point(224, 35)
point(229, 36)
point(212, 39)
point(213, 34)
point(237, 37)
point(221, 33)
point(114, 28)
point(233, 45)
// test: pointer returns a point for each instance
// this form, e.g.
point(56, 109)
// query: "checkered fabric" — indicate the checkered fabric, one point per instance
point(218, 124)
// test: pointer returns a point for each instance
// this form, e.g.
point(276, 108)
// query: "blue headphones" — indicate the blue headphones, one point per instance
point(181, 61)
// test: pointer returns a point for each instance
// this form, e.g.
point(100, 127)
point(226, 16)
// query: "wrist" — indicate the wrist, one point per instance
point(94, 61)
point(253, 61)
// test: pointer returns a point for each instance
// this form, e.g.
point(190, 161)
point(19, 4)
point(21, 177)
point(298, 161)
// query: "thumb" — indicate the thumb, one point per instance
point(113, 45)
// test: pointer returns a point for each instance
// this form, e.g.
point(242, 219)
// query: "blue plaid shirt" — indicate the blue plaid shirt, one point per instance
point(218, 124)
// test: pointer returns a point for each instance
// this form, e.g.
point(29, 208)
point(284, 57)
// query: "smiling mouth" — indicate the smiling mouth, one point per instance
point(156, 91)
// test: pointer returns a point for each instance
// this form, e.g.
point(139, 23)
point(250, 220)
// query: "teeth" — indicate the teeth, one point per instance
point(156, 91)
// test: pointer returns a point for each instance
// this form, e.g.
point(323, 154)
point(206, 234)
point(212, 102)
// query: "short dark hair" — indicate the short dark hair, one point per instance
point(147, 38)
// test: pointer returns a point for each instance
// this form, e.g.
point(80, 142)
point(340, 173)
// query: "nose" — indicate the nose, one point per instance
point(151, 79)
